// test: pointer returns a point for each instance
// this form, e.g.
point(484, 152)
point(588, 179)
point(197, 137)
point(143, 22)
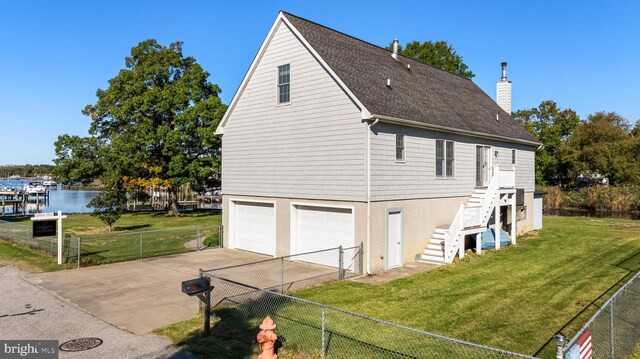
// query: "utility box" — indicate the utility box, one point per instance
point(537, 209)
point(196, 286)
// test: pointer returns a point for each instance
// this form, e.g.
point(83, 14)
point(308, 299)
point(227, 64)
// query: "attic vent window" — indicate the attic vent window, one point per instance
point(399, 147)
point(284, 78)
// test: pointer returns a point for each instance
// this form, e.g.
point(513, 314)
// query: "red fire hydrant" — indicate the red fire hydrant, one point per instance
point(267, 339)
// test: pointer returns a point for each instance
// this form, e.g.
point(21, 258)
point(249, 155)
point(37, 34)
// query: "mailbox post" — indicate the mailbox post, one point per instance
point(201, 288)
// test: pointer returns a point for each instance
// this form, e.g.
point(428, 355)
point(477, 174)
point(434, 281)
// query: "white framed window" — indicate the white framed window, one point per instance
point(284, 84)
point(445, 158)
point(513, 157)
point(399, 147)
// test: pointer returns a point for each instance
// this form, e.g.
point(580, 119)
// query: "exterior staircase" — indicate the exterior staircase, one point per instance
point(472, 217)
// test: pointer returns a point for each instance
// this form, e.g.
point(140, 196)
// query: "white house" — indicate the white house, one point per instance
point(332, 141)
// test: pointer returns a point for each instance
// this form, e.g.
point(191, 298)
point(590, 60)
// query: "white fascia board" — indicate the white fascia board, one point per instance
point(400, 121)
point(247, 76)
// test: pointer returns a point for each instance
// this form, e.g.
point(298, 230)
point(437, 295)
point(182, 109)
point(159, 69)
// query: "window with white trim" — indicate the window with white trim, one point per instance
point(284, 79)
point(445, 158)
point(399, 147)
point(513, 157)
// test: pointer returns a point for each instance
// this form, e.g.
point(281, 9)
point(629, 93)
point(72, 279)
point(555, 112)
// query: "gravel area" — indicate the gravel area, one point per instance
point(28, 312)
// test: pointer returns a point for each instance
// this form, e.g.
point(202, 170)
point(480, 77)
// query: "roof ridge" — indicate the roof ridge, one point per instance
point(371, 44)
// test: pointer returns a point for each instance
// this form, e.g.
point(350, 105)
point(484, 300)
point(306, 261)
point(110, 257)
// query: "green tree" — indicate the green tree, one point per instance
point(108, 205)
point(156, 121)
point(78, 159)
point(551, 126)
point(437, 54)
point(604, 145)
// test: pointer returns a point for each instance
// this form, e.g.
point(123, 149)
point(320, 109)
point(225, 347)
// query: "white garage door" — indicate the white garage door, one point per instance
point(321, 228)
point(255, 227)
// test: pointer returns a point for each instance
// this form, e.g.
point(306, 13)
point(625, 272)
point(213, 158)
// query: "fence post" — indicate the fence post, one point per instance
point(360, 259)
point(78, 238)
point(323, 347)
point(560, 342)
point(197, 238)
point(140, 245)
point(200, 306)
point(281, 275)
point(611, 334)
point(340, 263)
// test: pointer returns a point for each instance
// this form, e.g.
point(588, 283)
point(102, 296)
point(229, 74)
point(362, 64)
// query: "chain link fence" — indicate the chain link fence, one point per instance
point(614, 328)
point(308, 329)
point(291, 272)
point(244, 295)
point(96, 249)
point(22, 235)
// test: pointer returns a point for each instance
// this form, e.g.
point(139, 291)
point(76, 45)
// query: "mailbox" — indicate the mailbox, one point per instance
point(196, 286)
point(201, 288)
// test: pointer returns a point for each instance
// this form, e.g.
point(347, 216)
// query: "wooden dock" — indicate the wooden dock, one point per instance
point(18, 199)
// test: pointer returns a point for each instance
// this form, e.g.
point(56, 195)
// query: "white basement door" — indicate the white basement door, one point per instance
point(322, 228)
point(255, 227)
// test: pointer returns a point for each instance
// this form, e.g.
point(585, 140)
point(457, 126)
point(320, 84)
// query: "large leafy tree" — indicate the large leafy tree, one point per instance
point(78, 159)
point(603, 145)
point(552, 126)
point(437, 54)
point(156, 122)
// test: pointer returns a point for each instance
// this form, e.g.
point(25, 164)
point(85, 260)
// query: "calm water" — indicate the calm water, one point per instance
point(59, 199)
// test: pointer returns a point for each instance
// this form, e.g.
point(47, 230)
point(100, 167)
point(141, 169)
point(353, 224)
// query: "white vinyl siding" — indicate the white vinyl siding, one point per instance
point(313, 148)
point(417, 177)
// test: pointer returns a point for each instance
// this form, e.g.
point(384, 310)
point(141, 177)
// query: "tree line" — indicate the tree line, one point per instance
point(27, 170)
point(601, 148)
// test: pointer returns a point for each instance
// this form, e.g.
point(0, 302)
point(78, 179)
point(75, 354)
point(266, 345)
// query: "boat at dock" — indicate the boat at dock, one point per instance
point(34, 188)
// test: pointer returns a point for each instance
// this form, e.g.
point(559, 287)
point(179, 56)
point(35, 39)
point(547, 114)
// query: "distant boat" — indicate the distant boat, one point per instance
point(14, 178)
point(34, 188)
point(50, 183)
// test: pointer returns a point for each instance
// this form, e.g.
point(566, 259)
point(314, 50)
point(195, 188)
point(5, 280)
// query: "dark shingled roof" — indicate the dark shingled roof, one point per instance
point(422, 94)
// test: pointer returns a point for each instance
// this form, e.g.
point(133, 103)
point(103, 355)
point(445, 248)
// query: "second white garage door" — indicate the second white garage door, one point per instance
point(321, 228)
point(255, 227)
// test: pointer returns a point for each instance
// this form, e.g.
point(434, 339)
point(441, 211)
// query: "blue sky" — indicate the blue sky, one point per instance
point(54, 55)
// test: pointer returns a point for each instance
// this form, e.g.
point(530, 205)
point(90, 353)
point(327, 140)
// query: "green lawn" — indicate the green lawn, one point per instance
point(160, 235)
point(515, 299)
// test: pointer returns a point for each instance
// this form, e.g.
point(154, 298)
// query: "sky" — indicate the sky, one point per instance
point(54, 55)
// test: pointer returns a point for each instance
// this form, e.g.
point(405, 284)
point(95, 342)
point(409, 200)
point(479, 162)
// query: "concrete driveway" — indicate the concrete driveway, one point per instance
point(30, 313)
point(142, 295)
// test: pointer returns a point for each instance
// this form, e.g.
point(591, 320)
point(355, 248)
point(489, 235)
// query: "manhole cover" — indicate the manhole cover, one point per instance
point(80, 344)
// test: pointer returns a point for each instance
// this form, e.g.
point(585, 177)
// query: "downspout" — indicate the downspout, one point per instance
point(369, 125)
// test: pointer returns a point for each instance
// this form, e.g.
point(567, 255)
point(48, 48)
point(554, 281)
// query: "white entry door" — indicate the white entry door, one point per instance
point(483, 166)
point(394, 239)
point(320, 228)
point(254, 227)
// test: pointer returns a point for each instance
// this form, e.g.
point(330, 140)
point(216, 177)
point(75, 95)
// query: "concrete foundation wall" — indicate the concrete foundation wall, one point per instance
point(420, 218)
